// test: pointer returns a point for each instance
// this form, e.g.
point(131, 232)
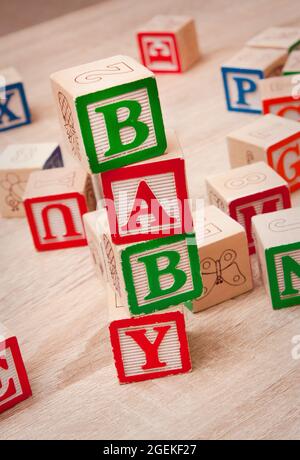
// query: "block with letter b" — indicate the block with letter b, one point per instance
point(242, 74)
point(110, 113)
point(246, 191)
point(148, 200)
point(14, 110)
point(281, 96)
point(168, 44)
point(14, 384)
point(272, 139)
point(277, 237)
point(55, 201)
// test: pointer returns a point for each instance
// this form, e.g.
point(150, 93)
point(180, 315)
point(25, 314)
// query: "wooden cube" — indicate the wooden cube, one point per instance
point(55, 201)
point(150, 199)
point(17, 162)
point(14, 384)
point(14, 110)
point(152, 275)
point(242, 74)
point(281, 96)
point(292, 65)
point(168, 44)
point(286, 38)
point(277, 238)
point(246, 191)
point(272, 139)
point(110, 113)
point(93, 229)
point(149, 346)
point(224, 259)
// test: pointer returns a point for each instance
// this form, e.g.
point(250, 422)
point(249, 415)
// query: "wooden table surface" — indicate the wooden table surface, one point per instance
point(244, 383)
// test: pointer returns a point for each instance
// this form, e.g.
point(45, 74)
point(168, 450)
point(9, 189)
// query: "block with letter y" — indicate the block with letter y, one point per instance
point(110, 113)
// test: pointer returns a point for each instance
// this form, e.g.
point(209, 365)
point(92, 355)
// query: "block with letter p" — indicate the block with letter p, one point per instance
point(277, 236)
point(110, 113)
point(242, 74)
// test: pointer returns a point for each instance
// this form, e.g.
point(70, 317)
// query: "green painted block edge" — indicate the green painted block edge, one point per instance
point(134, 308)
point(291, 73)
point(295, 45)
point(86, 132)
point(277, 302)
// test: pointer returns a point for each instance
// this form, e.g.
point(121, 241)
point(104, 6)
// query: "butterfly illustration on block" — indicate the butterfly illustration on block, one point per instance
point(219, 271)
point(69, 123)
point(15, 188)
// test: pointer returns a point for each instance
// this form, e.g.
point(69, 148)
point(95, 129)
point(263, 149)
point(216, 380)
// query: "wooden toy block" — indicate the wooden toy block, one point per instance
point(92, 226)
point(152, 275)
point(292, 65)
point(277, 238)
point(14, 384)
point(281, 96)
point(224, 259)
point(14, 110)
point(110, 113)
point(168, 44)
point(17, 162)
point(242, 74)
point(149, 346)
point(55, 201)
point(148, 200)
point(272, 139)
point(286, 38)
point(246, 191)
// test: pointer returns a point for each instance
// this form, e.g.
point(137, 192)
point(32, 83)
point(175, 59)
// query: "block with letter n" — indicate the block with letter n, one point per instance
point(110, 113)
point(242, 74)
point(278, 241)
point(55, 201)
point(247, 191)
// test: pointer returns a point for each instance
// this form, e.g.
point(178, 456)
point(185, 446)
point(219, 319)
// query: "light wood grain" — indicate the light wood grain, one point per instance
point(244, 383)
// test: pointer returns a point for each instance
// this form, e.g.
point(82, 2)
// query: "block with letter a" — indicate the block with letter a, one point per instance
point(272, 139)
point(149, 346)
point(168, 44)
point(246, 191)
point(242, 74)
point(277, 238)
point(281, 96)
point(14, 384)
point(110, 113)
point(148, 200)
point(55, 201)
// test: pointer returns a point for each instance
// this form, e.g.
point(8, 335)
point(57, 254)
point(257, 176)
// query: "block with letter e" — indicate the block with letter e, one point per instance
point(110, 113)
point(277, 237)
point(242, 74)
point(55, 201)
point(281, 96)
point(246, 191)
point(150, 199)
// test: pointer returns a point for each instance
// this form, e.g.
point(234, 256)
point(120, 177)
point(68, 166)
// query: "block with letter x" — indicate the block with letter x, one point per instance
point(152, 275)
point(148, 200)
point(55, 201)
point(277, 236)
point(14, 110)
point(110, 113)
point(246, 191)
point(14, 384)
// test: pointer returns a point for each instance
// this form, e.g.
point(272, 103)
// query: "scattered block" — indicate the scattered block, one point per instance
point(286, 38)
point(281, 96)
point(149, 346)
point(17, 162)
point(246, 191)
point(148, 200)
point(272, 139)
point(292, 65)
point(152, 275)
point(14, 110)
point(55, 201)
point(224, 259)
point(110, 113)
point(168, 44)
point(92, 226)
point(14, 384)
point(277, 238)
point(242, 74)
